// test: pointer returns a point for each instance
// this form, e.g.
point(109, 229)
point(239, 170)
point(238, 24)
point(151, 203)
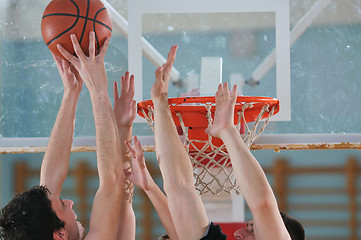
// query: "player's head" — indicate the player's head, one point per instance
point(294, 228)
point(35, 214)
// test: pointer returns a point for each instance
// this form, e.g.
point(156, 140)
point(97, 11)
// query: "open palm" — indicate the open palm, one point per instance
point(224, 114)
point(124, 105)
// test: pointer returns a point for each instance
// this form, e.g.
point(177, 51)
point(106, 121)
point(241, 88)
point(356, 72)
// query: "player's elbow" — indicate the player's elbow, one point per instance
point(178, 185)
point(111, 178)
point(264, 203)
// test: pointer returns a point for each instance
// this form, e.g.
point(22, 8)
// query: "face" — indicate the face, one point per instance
point(64, 211)
point(246, 233)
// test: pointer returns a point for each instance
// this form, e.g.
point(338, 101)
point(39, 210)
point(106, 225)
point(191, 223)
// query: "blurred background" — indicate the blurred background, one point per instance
point(319, 187)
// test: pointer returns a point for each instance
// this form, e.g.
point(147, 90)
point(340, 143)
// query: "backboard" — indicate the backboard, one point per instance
point(306, 55)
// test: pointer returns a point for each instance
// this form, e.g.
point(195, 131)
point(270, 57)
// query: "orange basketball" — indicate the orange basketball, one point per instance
point(62, 18)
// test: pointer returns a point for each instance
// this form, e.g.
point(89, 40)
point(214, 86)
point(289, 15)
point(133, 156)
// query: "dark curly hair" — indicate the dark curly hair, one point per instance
point(294, 227)
point(163, 237)
point(29, 215)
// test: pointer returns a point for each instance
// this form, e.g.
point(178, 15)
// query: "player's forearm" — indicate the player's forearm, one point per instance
point(167, 142)
point(249, 174)
point(59, 146)
point(165, 130)
point(126, 228)
point(107, 141)
point(166, 134)
point(159, 201)
point(125, 134)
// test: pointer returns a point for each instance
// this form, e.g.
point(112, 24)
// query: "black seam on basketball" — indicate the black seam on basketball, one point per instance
point(72, 15)
point(67, 30)
point(96, 37)
point(85, 22)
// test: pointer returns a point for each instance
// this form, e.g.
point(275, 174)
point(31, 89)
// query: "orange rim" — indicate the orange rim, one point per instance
point(184, 105)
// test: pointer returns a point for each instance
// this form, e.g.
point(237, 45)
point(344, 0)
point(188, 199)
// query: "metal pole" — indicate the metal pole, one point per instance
point(148, 50)
point(299, 28)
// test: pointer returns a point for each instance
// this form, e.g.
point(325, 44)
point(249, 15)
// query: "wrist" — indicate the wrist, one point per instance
point(99, 96)
point(124, 128)
point(161, 104)
point(227, 131)
point(162, 100)
point(150, 187)
point(70, 92)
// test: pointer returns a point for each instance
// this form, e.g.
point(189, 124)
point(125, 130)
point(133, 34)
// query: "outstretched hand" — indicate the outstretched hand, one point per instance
point(91, 69)
point(125, 108)
point(69, 75)
point(224, 114)
point(162, 76)
point(140, 175)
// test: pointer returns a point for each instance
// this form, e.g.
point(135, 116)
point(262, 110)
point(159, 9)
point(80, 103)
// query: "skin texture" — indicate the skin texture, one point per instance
point(185, 206)
point(141, 177)
point(249, 174)
point(58, 150)
point(125, 113)
point(106, 207)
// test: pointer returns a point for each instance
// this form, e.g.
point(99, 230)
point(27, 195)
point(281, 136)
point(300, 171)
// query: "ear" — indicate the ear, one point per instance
point(60, 234)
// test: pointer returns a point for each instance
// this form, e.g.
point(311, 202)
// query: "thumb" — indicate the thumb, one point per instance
point(208, 130)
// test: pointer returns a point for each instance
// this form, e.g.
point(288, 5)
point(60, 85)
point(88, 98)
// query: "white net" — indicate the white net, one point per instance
point(212, 167)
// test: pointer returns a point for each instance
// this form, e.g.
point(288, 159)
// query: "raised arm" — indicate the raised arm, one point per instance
point(125, 113)
point(106, 205)
point(141, 177)
point(55, 164)
point(184, 203)
point(249, 174)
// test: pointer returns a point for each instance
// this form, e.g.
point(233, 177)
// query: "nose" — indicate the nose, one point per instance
point(250, 226)
point(237, 234)
point(69, 203)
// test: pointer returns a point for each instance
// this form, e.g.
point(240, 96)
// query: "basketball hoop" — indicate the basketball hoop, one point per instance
point(211, 163)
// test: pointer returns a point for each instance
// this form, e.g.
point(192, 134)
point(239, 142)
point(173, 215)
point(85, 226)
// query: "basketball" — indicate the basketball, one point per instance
point(62, 18)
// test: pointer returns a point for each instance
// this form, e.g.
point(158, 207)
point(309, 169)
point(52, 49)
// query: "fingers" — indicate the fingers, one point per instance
point(67, 55)
point(159, 74)
point(91, 44)
point(223, 93)
point(131, 149)
point(124, 83)
point(159, 77)
point(65, 66)
point(77, 48)
point(133, 106)
point(137, 144)
point(207, 130)
point(77, 75)
point(139, 150)
point(234, 93)
point(102, 52)
point(127, 85)
point(115, 91)
point(58, 61)
point(169, 64)
point(131, 85)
